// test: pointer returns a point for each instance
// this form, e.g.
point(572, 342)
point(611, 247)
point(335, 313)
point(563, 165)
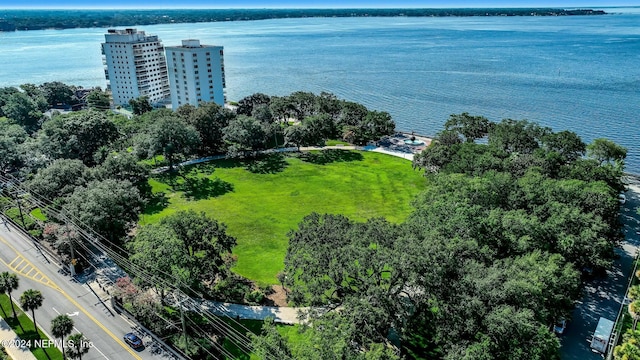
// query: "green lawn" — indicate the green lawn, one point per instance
point(37, 213)
point(336, 142)
point(23, 327)
point(289, 332)
point(270, 197)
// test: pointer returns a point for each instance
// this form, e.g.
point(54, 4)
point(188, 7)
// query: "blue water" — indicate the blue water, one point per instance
point(577, 73)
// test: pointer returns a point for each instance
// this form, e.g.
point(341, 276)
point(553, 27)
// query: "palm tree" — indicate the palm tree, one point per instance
point(8, 283)
point(628, 349)
point(78, 345)
point(31, 300)
point(61, 326)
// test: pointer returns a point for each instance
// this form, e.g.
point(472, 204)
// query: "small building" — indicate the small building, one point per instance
point(196, 73)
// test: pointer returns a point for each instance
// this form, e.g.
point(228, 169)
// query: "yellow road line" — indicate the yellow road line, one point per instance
point(74, 302)
point(21, 265)
point(12, 261)
point(26, 269)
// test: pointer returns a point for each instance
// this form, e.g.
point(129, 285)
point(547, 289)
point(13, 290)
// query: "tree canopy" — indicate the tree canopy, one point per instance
point(209, 119)
point(109, 207)
point(172, 137)
point(191, 247)
point(490, 258)
point(77, 136)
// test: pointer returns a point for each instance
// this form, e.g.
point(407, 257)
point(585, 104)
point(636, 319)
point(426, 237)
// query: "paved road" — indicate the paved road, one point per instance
point(62, 296)
point(603, 296)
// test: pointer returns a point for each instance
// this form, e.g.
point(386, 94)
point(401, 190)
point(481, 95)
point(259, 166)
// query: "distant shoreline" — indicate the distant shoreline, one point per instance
point(60, 19)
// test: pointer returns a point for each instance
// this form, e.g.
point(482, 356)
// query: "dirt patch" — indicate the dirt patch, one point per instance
point(278, 297)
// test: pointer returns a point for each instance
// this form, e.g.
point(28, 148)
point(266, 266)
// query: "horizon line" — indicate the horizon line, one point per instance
point(310, 8)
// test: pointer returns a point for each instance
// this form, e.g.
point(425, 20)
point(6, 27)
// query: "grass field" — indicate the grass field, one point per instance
point(262, 200)
point(289, 332)
point(37, 213)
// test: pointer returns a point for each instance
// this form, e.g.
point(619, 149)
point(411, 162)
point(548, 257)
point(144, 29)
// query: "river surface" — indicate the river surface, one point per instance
point(580, 73)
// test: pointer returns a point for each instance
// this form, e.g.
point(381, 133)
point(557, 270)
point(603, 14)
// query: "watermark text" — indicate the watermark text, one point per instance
point(44, 343)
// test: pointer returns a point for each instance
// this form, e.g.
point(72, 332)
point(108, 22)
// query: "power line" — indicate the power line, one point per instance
point(91, 235)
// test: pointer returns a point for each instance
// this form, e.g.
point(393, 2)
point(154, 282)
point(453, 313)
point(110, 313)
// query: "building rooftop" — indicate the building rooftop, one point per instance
point(128, 31)
point(192, 44)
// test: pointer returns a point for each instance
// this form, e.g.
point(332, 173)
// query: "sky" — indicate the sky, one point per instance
point(154, 4)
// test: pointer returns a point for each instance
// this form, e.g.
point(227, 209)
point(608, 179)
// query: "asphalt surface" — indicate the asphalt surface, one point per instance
point(603, 296)
point(65, 296)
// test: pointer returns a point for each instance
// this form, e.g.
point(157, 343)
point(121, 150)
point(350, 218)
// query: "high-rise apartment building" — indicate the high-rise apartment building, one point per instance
point(196, 73)
point(135, 66)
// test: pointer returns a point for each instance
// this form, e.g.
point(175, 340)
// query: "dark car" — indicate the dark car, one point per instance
point(133, 340)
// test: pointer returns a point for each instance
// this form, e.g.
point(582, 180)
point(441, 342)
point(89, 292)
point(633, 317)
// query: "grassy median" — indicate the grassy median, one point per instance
point(23, 327)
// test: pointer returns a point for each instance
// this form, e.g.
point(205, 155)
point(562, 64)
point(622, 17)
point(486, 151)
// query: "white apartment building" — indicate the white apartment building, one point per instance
point(135, 66)
point(196, 73)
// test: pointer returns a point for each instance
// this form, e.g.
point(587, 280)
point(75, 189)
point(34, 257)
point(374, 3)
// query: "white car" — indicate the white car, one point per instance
point(559, 327)
point(622, 198)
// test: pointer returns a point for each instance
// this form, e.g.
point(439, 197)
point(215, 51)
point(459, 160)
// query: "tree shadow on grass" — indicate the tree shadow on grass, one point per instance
point(15, 323)
point(330, 156)
point(207, 168)
point(267, 164)
point(229, 163)
point(167, 177)
point(157, 202)
point(199, 188)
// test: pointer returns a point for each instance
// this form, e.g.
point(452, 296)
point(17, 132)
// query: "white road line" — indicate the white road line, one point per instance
point(78, 331)
point(98, 350)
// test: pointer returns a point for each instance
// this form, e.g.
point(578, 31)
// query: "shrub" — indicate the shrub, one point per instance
point(255, 297)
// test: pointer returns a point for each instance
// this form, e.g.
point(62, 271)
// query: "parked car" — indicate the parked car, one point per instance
point(133, 340)
point(622, 198)
point(560, 326)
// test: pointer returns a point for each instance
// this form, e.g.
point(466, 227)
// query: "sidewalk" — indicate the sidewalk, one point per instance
point(9, 338)
point(284, 315)
point(379, 149)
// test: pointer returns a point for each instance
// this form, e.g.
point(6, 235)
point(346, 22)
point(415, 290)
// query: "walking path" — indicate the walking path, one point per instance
point(379, 149)
point(11, 343)
point(283, 315)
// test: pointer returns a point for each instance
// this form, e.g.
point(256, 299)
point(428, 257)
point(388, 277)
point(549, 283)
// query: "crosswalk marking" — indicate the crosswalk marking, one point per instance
point(11, 263)
point(25, 268)
point(43, 279)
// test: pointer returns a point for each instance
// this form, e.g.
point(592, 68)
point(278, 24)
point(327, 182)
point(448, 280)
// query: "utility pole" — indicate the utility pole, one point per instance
point(184, 325)
point(21, 214)
point(72, 264)
point(184, 328)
